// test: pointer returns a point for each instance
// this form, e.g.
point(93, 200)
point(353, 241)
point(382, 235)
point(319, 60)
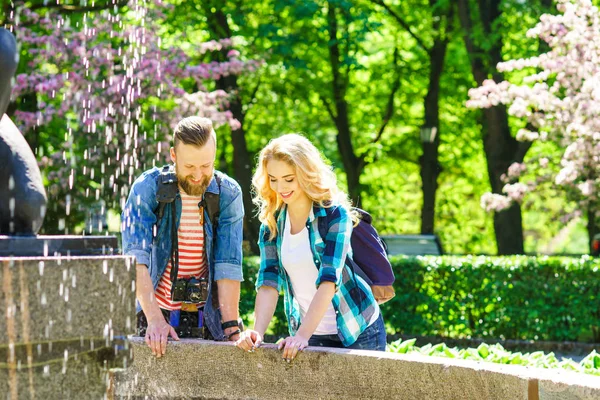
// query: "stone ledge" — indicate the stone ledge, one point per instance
point(56, 298)
point(210, 370)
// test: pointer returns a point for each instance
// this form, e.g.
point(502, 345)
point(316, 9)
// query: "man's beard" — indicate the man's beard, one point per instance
point(193, 189)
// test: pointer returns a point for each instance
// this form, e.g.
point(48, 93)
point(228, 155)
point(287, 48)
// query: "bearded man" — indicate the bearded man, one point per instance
point(187, 275)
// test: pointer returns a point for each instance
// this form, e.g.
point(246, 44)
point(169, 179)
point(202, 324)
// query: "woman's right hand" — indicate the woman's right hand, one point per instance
point(249, 340)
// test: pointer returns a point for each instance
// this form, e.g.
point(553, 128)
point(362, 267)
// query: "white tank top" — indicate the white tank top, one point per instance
point(297, 259)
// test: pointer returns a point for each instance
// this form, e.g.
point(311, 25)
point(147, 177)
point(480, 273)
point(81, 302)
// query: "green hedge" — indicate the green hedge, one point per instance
point(517, 297)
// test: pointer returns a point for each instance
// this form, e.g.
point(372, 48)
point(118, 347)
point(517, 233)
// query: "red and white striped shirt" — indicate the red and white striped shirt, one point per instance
point(191, 251)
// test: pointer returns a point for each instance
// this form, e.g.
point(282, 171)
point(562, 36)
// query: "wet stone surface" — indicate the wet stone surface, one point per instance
point(64, 324)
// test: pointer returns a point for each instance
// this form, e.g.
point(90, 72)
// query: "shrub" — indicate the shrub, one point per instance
point(515, 297)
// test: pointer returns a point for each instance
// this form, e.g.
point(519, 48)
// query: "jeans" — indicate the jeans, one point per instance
point(373, 338)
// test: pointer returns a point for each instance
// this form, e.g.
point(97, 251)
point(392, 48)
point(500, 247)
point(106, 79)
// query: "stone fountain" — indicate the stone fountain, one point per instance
point(68, 302)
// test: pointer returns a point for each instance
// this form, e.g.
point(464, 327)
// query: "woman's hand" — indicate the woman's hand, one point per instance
point(291, 345)
point(249, 340)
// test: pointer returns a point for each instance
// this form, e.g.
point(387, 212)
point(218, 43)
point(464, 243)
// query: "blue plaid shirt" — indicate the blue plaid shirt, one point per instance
point(353, 300)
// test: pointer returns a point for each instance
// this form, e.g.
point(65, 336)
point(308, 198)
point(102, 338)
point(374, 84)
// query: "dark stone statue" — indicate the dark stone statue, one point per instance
point(22, 195)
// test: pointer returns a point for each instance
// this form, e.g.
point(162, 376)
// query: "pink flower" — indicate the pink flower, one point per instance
point(233, 54)
point(495, 202)
point(234, 124)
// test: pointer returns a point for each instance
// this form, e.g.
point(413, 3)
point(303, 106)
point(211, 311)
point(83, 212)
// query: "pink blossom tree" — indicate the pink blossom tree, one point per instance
point(559, 98)
point(106, 94)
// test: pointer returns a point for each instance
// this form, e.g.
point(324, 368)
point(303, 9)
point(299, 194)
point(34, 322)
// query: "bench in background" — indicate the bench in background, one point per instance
point(413, 245)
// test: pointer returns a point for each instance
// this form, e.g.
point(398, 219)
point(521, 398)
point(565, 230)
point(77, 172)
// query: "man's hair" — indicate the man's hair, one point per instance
point(195, 131)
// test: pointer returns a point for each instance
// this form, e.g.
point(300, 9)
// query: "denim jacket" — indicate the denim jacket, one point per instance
point(139, 221)
point(353, 300)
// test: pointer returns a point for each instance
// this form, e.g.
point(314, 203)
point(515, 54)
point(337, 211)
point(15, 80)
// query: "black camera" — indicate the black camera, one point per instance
point(190, 290)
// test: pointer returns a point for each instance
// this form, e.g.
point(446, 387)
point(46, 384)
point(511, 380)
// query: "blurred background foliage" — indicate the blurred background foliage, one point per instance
point(354, 77)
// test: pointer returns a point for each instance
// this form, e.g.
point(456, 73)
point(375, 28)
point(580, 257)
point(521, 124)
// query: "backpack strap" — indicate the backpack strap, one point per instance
point(166, 190)
point(212, 203)
point(323, 226)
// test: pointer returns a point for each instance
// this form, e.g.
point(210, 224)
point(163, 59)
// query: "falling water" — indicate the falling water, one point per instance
point(67, 314)
point(102, 83)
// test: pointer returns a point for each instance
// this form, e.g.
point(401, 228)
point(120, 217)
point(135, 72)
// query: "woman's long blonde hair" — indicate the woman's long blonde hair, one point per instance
point(315, 177)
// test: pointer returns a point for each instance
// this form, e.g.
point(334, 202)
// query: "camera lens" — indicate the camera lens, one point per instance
point(194, 294)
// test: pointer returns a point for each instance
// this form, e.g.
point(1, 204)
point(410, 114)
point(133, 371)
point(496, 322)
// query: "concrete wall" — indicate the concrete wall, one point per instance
point(56, 298)
point(209, 370)
point(59, 322)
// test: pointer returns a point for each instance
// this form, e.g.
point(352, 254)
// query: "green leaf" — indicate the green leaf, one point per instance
point(483, 350)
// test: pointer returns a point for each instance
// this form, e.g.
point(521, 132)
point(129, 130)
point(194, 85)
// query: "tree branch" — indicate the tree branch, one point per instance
point(249, 103)
point(389, 112)
point(523, 147)
point(67, 8)
point(474, 51)
point(464, 15)
point(402, 23)
point(255, 90)
point(328, 107)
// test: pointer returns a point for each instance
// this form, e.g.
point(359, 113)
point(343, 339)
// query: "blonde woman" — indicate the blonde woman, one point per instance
point(325, 303)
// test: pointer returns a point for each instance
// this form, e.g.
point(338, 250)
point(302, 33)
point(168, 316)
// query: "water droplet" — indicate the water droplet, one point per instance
point(11, 207)
point(68, 197)
point(11, 352)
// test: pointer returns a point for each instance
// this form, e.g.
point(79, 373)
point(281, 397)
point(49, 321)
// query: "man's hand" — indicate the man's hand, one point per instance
point(249, 340)
point(291, 345)
point(156, 336)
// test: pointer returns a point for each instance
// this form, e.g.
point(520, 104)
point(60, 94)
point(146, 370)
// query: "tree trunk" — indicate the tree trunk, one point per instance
point(242, 161)
point(430, 167)
point(593, 224)
point(501, 149)
point(352, 164)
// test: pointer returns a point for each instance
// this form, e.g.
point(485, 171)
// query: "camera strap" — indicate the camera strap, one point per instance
point(174, 248)
point(211, 202)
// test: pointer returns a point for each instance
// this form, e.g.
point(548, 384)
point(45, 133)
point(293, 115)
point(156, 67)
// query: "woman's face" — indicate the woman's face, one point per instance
point(284, 182)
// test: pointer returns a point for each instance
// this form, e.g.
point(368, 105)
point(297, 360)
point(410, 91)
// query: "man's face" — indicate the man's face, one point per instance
point(194, 166)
